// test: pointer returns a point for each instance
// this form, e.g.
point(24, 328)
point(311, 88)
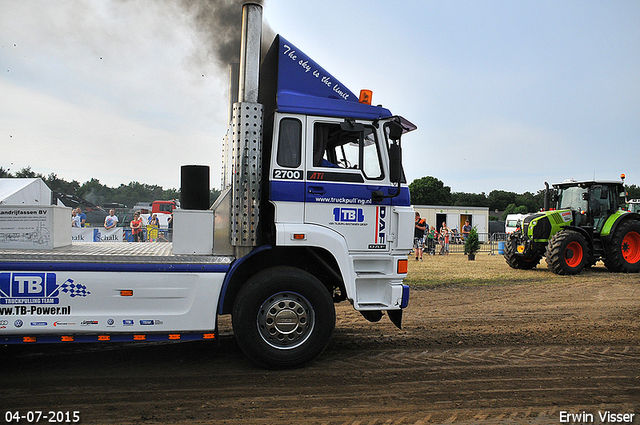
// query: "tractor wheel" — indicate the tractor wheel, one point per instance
point(518, 261)
point(283, 317)
point(567, 253)
point(623, 254)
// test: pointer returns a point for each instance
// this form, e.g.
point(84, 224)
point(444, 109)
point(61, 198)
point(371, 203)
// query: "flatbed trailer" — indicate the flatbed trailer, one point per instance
point(109, 292)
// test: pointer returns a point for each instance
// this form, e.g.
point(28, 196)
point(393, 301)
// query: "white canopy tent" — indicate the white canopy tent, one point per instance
point(24, 192)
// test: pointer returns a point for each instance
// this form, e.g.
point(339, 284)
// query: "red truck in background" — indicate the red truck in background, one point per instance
point(164, 207)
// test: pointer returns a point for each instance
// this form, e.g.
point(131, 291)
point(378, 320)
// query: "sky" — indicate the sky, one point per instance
point(505, 94)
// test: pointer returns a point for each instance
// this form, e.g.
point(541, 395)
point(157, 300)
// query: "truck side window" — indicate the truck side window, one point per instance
point(334, 147)
point(290, 143)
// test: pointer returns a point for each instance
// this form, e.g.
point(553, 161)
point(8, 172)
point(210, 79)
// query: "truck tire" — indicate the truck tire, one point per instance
point(518, 261)
point(623, 254)
point(567, 253)
point(283, 318)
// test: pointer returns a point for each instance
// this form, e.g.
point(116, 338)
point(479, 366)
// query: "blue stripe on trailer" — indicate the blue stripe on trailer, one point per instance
point(115, 267)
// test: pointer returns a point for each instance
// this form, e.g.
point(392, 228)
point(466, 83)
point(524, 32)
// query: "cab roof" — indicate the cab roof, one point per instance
point(587, 183)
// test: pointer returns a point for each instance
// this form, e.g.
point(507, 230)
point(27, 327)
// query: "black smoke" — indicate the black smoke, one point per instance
point(219, 25)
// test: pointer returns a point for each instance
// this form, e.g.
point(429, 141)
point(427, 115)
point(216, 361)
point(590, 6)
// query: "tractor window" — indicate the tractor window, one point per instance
point(573, 198)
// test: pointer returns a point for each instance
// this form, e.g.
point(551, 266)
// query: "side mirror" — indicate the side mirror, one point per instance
point(395, 130)
point(395, 163)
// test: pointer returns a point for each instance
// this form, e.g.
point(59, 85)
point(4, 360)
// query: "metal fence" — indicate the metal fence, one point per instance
point(492, 244)
point(151, 234)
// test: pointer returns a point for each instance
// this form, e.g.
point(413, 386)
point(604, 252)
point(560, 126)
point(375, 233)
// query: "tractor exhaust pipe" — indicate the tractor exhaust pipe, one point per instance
point(547, 197)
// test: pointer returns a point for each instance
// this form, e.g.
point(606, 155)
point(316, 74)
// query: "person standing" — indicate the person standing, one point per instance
point(444, 239)
point(111, 220)
point(75, 220)
point(418, 235)
point(83, 216)
point(465, 230)
point(136, 227)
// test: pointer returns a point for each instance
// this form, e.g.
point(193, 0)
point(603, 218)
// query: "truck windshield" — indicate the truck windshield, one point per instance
point(571, 197)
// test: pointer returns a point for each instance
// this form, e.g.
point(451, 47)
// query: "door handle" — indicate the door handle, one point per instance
point(317, 190)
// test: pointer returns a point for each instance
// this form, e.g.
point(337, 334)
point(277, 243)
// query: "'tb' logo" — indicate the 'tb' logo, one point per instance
point(349, 215)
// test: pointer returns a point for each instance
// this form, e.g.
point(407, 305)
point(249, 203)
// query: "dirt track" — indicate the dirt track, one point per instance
point(517, 353)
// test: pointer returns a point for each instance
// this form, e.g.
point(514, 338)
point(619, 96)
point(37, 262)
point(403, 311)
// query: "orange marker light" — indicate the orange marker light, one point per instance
point(403, 266)
point(104, 338)
point(299, 236)
point(139, 337)
point(126, 293)
point(208, 336)
point(29, 339)
point(365, 96)
point(174, 336)
point(66, 339)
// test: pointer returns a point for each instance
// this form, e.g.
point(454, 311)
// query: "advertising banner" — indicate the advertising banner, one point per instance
point(96, 234)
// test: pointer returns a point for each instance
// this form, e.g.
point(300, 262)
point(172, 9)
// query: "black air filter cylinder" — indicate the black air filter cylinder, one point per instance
point(194, 187)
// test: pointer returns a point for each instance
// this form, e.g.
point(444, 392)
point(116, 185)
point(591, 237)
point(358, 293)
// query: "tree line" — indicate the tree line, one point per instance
point(432, 191)
point(99, 194)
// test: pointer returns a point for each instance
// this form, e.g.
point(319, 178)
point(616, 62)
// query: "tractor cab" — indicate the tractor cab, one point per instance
point(591, 202)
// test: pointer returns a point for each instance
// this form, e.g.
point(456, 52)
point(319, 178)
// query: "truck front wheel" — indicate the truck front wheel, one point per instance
point(567, 253)
point(283, 317)
point(623, 254)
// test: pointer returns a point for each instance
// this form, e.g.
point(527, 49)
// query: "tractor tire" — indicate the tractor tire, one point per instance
point(567, 253)
point(623, 253)
point(283, 318)
point(518, 261)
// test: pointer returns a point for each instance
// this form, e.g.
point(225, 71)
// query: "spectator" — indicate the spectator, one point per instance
point(111, 220)
point(154, 221)
point(75, 219)
point(136, 227)
point(418, 235)
point(465, 230)
point(431, 243)
point(444, 239)
point(83, 216)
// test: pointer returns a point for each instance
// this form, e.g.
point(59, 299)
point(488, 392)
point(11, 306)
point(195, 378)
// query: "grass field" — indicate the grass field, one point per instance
point(456, 269)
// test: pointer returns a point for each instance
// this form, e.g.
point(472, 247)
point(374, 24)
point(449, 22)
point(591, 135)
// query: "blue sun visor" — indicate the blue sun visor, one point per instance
point(290, 81)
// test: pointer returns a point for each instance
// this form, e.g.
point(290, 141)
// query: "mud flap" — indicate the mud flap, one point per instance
point(396, 317)
point(372, 315)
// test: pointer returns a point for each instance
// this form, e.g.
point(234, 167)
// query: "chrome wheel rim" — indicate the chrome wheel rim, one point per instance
point(285, 320)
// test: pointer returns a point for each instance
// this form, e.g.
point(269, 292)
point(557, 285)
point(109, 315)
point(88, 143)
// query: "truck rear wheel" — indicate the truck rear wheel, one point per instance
point(515, 260)
point(567, 253)
point(623, 254)
point(283, 318)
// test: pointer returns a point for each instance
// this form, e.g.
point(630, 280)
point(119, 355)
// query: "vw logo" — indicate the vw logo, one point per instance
point(18, 323)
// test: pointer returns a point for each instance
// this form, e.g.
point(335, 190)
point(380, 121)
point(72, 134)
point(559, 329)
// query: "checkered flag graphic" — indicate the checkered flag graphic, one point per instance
point(74, 289)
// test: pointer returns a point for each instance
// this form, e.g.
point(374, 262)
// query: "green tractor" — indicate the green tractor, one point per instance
point(587, 223)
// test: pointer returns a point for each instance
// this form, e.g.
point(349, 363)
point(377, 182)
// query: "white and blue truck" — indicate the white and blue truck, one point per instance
point(314, 210)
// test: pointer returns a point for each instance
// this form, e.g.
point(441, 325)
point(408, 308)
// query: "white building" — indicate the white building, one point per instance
point(455, 217)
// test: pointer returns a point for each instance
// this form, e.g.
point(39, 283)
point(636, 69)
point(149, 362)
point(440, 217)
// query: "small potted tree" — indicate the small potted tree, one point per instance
point(472, 244)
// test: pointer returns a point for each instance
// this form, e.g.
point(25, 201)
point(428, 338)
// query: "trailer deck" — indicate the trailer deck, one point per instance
point(120, 252)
